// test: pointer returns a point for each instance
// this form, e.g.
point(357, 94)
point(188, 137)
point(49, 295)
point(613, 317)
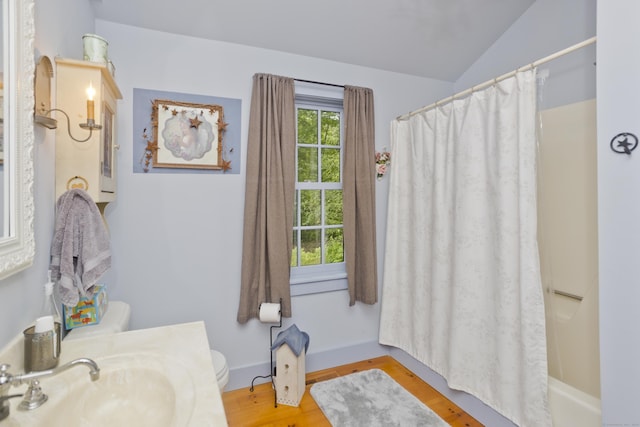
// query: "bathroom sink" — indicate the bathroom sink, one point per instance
point(136, 397)
point(151, 377)
point(133, 389)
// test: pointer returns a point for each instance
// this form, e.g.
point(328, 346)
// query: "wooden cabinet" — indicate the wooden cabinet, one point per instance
point(90, 165)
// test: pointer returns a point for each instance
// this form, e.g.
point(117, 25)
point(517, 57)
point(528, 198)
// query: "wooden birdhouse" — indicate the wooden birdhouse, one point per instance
point(290, 376)
point(290, 347)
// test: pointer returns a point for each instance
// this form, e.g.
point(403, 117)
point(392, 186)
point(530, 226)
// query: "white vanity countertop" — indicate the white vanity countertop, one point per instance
point(181, 352)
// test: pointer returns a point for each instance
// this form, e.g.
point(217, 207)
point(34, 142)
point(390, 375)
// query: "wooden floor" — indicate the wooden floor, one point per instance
point(251, 409)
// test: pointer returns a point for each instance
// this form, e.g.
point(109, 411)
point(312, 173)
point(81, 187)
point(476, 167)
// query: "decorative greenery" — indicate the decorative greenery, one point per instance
point(383, 161)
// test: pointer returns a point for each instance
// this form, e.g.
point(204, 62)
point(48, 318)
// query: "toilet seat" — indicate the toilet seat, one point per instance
point(221, 368)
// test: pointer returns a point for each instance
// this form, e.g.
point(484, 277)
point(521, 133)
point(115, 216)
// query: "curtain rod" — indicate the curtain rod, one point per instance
point(318, 83)
point(500, 78)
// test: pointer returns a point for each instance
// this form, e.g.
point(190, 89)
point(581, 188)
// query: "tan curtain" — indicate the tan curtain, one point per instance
point(359, 196)
point(268, 210)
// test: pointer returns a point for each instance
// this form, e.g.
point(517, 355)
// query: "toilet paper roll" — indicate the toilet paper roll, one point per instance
point(269, 312)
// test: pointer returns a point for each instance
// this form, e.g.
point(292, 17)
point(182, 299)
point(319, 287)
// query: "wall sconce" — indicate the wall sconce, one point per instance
point(44, 73)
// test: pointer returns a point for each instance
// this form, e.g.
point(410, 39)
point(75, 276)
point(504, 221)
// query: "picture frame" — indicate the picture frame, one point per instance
point(187, 135)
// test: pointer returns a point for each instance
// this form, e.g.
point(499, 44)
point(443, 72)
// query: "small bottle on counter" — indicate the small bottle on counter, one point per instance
point(43, 339)
point(49, 304)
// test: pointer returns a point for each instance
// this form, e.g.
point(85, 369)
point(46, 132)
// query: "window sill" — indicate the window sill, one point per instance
point(318, 285)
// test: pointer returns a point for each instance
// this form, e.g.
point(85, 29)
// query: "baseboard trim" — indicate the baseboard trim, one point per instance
point(241, 377)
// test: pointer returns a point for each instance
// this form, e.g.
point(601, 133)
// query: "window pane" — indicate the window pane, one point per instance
point(295, 208)
point(307, 164)
point(294, 251)
point(330, 128)
point(333, 246)
point(318, 248)
point(310, 207)
point(310, 243)
point(330, 165)
point(307, 126)
point(333, 207)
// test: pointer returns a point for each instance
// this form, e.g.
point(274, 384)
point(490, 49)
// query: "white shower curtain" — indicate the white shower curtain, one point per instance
point(461, 288)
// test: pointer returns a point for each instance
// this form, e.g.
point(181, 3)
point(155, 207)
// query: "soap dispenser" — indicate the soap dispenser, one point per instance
point(49, 304)
point(42, 340)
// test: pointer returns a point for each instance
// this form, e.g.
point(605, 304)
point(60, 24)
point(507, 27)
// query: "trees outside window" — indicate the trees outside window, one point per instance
point(318, 244)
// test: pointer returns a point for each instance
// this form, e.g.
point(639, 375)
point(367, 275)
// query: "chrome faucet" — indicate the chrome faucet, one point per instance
point(94, 371)
point(34, 396)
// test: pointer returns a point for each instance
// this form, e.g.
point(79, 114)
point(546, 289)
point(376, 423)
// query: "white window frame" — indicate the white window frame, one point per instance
point(326, 277)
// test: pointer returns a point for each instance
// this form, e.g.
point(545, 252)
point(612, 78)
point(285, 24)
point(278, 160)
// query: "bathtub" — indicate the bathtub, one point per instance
point(571, 407)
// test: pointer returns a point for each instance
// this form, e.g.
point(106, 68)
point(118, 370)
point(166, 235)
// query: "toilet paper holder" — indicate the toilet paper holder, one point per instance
point(271, 367)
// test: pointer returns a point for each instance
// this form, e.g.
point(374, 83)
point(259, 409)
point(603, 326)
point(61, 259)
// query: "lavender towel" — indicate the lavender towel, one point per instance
point(80, 251)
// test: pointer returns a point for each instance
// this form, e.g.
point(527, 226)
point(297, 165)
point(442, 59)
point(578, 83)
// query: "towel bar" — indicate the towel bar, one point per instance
point(568, 295)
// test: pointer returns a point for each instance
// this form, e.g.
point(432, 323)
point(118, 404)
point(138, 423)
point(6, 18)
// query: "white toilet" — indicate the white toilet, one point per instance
point(116, 319)
point(222, 370)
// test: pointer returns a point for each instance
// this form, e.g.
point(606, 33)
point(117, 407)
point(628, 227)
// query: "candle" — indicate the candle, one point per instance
point(91, 92)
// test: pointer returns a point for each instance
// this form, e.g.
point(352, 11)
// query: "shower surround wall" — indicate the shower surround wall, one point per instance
point(568, 242)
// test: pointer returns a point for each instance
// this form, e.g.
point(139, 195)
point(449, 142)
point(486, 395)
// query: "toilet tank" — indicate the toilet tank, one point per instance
point(116, 319)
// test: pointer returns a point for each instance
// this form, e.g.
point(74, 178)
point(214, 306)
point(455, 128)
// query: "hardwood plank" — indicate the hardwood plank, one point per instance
point(245, 408)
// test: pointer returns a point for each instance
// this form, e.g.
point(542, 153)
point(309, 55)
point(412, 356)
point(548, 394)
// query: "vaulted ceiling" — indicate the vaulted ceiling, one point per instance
point(438, 39)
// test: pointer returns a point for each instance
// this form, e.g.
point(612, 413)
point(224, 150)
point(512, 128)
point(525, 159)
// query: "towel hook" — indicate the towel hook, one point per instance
point(77, 182)
point(624, 143)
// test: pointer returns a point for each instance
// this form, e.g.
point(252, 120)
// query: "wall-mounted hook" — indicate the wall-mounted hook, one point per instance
point(624, 143)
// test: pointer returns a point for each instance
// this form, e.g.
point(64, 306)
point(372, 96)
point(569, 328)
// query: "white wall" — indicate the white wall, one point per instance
point(59, 29)
point(177, 239)
point(619, 210)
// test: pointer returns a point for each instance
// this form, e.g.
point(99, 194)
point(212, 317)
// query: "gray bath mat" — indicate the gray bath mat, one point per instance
point(371, 398)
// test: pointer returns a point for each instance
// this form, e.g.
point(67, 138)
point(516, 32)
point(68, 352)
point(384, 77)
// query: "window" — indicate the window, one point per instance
point(317, 259)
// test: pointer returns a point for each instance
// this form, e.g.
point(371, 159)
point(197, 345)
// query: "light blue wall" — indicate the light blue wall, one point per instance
point(618, 210)
point(59, 28)
point(177, 239)
point(177, 246)
point(548, 26)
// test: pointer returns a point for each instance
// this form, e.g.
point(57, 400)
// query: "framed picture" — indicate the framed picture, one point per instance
point(187, 135)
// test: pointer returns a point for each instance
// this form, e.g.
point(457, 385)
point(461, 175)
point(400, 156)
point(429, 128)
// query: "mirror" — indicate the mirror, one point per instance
point(17, 244)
